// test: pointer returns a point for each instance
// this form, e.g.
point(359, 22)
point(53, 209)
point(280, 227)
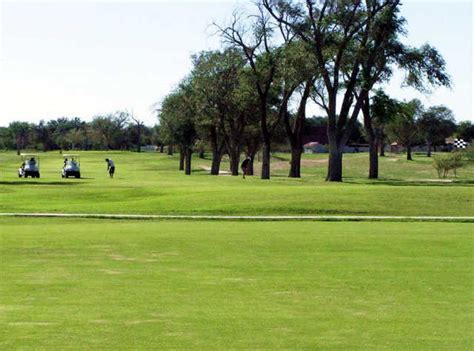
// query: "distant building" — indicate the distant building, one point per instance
point(314, 148)
point(149, 148)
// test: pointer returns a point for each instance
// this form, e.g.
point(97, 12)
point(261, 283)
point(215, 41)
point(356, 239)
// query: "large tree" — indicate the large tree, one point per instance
point(219, 88)
point(177, 121)
point(20, 132)
point(436, 124)
point(253, 37)
point(404, 127)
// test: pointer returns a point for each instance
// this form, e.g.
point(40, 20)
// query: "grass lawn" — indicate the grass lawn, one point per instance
point(150, 184)
point(97, 284)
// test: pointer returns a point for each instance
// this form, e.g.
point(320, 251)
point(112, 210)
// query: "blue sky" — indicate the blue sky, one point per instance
point(67, 58)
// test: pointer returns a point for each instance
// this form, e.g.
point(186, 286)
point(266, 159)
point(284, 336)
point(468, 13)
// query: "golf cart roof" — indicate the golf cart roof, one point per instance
point(70, 155)
point(29, 155)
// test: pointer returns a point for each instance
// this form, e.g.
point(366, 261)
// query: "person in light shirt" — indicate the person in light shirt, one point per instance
point(110, 167)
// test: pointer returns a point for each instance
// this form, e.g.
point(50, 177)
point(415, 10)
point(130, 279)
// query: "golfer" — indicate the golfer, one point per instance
point(110, 167)
point(245, 166)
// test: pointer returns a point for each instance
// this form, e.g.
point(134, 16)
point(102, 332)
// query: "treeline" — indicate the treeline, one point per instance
point(116, 131)
point(286, 54)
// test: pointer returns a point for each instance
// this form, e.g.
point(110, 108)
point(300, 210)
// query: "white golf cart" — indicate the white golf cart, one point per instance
point(29, 166)
point(72, 166)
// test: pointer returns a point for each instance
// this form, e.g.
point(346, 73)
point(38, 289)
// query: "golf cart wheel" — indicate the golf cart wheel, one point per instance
point(78, 175)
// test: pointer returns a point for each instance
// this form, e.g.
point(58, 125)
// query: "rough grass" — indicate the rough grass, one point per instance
point(99, 284)
point(151, 184)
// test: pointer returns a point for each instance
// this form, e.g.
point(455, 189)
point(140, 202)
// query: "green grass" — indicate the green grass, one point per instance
point(150, 184)
point(98, 284)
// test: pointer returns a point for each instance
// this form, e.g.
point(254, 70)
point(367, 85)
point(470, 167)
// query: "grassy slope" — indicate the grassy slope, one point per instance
point(134, 284)
point(149, 183)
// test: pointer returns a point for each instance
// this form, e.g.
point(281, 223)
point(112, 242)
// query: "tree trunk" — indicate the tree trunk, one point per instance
point(162, 148)
point(373, 160)
point(170, 150)
point(429, 150)
point(182, 156)
point(201, 154)
point(139, 141)
point(295, 163)
point(234, 162)
point(250, 170)
point(188, 153)
point(335, 165)
point(266, 160)
point(372, 139)
point(216, 162)
point(409, 158)
point(382, 142)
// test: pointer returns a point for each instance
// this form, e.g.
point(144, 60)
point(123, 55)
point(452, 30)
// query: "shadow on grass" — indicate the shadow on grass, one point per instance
point(19, 182)
point(404, 182)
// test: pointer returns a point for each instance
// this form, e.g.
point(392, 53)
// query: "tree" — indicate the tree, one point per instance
point(376, 115)
point(404, 126)
point(339, 33)
point(254, 40)
point(217, 80)
point(177, 120)
point(296, 76)
point(20, 131)
point(139, 126)
point(108, 132)
point(436, 124)
point(465, 130)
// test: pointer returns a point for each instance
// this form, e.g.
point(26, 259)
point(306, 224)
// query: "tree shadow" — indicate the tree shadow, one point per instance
point(26, 182)
point(404, 182)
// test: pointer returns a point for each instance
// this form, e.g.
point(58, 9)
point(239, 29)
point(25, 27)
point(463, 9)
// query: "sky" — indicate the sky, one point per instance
point(86, 58)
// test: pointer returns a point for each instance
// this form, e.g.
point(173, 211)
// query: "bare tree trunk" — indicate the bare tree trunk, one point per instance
point(162, 148)
point(182, 156)
point(335, 164)
point(372, 139)
point(266, 160)
point(409, 158)
point(295, 163)
point(373, 160)
point(216, 163)
point(382, 142)
point(234, 162)
point(170, 150)
point(429, 149)
point(250, 169)
point(216, 149)
point(139, 141)
point(188, 156)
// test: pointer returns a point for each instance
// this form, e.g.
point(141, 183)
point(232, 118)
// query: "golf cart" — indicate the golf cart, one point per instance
point(72, 166)
point(29, 166)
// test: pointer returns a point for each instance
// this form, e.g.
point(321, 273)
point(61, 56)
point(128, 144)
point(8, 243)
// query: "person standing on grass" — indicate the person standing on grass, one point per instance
point(245, 166)
point(110, 167)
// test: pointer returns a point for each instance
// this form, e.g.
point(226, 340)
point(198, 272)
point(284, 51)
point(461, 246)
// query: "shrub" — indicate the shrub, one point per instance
point(446, 163)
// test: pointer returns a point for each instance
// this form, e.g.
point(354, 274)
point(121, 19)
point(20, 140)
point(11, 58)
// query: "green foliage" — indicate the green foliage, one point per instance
point(446, 163)
point(465, 131)
point(403, 128)
point(436, 124)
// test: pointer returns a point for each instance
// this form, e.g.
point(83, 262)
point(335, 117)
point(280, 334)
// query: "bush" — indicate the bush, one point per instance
point(446, 163)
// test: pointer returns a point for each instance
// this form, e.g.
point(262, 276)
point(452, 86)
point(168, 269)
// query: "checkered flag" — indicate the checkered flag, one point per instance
point(459, 144)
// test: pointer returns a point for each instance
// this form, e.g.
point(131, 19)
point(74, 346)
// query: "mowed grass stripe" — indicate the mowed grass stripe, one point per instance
point(242, 218)
point(102, 284)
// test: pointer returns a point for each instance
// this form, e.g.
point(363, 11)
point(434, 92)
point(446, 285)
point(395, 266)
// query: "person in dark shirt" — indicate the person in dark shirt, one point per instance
point(245, 166)
point(110, 167)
